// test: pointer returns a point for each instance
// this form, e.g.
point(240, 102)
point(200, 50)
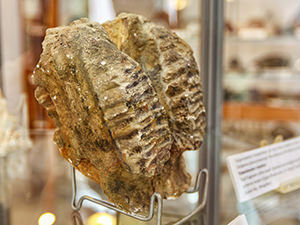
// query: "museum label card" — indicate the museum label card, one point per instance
point(240, 220)
point(261, 170)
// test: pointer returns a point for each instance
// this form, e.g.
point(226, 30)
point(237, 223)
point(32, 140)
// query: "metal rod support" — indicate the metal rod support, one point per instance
point(212, 68)
point(155, 197)
point(204, 198)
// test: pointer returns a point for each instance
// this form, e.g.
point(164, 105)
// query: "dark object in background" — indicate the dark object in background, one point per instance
point(235, 65)
point(283, 130)
point(229, 28)
point(4, 215)
point(272, 61)
point(255, 96)
point(230, 95)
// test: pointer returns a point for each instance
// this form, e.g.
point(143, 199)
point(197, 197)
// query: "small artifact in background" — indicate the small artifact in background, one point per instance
point(235, 65)
point(13, 138)
point(260, 28)
point(254, 29)
point(272, 61)
point(229, 28)
point(12, 135)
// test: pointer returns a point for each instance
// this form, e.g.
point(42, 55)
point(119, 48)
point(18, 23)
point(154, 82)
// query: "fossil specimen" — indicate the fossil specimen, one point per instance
point(116, 123)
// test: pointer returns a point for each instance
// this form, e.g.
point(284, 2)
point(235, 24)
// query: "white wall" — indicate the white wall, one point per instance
point(11, 51)
point(241, 10)
point(101, 11)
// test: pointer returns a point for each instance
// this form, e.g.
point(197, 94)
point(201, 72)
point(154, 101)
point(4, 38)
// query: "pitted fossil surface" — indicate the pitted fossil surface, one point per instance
point(127, 102)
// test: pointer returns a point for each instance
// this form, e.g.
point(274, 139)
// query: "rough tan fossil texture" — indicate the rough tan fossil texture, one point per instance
point(169, 63)
point(116, 121)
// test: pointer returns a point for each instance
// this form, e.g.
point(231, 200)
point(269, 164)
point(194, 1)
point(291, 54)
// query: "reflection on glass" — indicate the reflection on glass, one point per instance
point(101, 219)
point(47, 218)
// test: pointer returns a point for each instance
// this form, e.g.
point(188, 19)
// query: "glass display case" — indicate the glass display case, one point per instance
point(260, 81)
point(249, 58)
point(43, 194)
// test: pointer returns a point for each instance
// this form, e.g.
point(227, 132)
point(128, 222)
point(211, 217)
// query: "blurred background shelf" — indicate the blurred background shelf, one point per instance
point(279, 75)
point(251, 111)
point(276, 40)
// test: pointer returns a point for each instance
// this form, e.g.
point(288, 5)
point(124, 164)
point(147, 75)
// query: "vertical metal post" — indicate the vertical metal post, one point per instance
point(4, 193)
point(212, 68)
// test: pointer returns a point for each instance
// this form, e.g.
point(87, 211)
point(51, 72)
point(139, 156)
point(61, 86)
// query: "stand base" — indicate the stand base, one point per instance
point(155, 197)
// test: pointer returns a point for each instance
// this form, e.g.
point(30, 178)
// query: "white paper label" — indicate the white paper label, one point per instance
point(261, 170)
point(240, 220)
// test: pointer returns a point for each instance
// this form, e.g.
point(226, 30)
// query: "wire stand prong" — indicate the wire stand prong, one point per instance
point(155, 197)
point(77, 220)
point(196, 187)
point(204, 197)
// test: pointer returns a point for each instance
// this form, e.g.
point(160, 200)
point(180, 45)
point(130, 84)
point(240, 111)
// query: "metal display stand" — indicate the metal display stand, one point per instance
point(76, 218)
point(155, 197)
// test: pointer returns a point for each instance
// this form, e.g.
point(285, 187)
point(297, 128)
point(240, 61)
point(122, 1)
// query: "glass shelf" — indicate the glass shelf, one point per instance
point(279, 40)
point(280, 76)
